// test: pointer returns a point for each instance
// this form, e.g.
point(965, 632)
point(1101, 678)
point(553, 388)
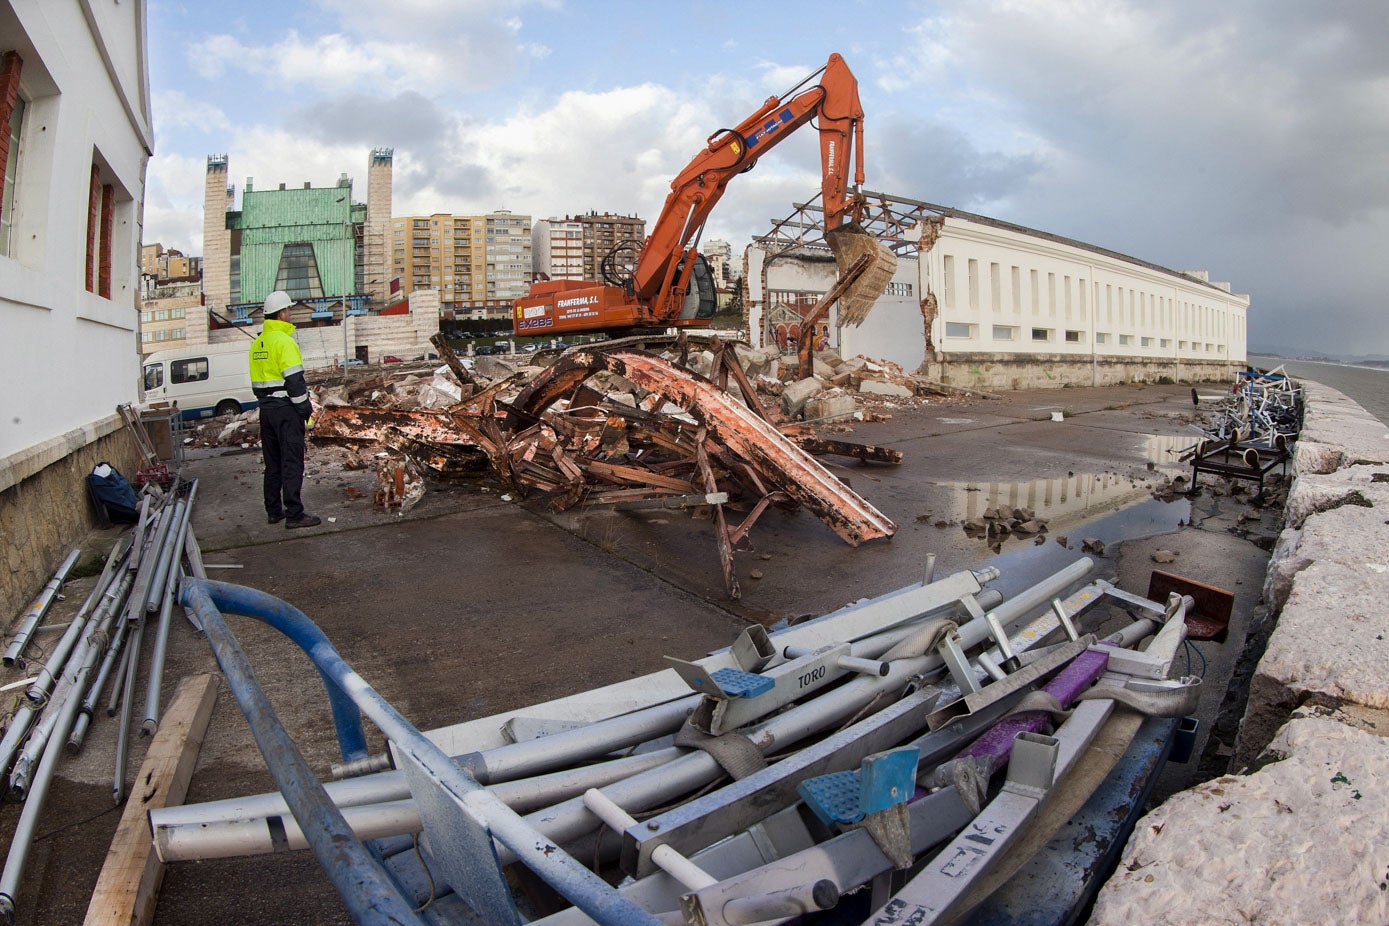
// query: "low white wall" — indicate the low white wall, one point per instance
point(1297, 836)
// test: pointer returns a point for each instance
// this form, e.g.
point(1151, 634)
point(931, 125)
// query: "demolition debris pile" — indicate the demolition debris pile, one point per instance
point(620, 428)
point(717, 428)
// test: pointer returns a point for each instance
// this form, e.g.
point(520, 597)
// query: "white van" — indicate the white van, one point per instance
point(205, 380)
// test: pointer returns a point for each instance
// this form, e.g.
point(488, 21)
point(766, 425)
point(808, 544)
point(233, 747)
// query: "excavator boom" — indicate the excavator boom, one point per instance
point(669, 285)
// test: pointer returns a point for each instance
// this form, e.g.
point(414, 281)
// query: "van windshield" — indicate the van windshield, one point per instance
point(154, 375)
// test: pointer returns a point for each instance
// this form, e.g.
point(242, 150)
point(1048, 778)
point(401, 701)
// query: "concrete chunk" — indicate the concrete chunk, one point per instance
point(830, 406)
point(1291, 843)
point(880, 387)
point(794, 397)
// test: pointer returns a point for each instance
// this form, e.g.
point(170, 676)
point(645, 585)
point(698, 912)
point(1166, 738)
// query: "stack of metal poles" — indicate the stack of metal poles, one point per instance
point(101, 644)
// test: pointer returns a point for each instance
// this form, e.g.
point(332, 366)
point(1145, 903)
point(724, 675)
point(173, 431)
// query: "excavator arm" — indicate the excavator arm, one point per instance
point(658, 292)
point(729, 152)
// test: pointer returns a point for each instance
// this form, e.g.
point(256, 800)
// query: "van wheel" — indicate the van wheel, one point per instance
point(228, 407)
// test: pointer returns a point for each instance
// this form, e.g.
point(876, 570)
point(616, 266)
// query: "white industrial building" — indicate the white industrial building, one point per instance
point(74, 95)
point(983, 303)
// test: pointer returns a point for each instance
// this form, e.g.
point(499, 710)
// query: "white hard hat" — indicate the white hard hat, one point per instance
point(276, 303)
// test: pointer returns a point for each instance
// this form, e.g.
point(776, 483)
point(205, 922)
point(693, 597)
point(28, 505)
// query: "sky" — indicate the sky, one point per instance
point(1249, 138)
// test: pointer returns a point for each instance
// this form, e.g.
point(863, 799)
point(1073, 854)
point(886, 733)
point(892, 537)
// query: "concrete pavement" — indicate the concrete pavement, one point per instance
point(470, 604)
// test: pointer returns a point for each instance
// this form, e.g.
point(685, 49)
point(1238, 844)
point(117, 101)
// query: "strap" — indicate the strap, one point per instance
point(1151, 699)
point(1041, 701)
point(736, 754)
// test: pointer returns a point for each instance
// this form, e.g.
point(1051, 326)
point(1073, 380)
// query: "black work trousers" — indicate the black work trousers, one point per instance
point(282, 445)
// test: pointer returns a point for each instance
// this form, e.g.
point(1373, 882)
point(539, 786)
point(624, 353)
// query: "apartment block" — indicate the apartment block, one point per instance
point(477, 263)
point(573, 247)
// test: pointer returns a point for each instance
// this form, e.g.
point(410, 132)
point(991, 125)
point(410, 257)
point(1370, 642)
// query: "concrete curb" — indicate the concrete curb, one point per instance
point(1290, 841)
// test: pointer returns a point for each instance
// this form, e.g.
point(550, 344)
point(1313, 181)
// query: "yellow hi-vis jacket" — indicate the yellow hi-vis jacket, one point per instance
point(277, 368)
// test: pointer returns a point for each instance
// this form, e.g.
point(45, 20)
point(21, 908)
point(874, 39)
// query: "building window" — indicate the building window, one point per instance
point(1165, 343)
point(1101, 337)
point(898, 289)
point(298, 272)
point(1074, 337)
point(1181, 345)
point(1004, 332)
point(188, 371)
point(1041, 334)
point(10, 135)
point(1124, 339)
point(1145, 342)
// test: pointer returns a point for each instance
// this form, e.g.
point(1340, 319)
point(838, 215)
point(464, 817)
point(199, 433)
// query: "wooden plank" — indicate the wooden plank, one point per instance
point(634, 474)
point(128, 886)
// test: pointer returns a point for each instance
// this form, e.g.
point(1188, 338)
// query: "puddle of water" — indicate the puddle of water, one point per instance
point(1062, 500)
point(1164, 450)
point(1025, 565)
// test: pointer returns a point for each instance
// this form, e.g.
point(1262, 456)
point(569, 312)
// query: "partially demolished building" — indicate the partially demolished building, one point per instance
point(985, 304)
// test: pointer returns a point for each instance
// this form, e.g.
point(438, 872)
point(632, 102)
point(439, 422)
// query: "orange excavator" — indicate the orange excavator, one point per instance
point(665, 282)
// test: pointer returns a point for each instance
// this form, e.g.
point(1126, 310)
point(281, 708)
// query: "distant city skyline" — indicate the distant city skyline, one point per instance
point(1244, 139)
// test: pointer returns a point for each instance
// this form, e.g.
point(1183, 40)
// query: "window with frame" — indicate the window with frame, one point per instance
point(1041, 334)
point(154, 375)
point(1101, 337)
point(1073, 337)
point(1004, 332)
point(188, 371)
point(7, 198)
point(298, 272)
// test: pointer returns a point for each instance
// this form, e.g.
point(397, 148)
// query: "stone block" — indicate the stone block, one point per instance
point(1331, 642)
point(1352, 535)
point(1338, 431)
point(795, 395)
point(882, 387)
point(830, 406)
point(1291, 843)
point(1354, 485)
point(821, 369)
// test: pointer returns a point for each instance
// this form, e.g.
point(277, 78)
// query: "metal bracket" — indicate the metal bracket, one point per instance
point(1032, 765)
point(957, 662)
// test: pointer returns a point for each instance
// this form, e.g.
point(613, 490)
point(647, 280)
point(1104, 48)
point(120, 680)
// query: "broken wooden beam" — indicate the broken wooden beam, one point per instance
point(128, 886)
point(865, 452)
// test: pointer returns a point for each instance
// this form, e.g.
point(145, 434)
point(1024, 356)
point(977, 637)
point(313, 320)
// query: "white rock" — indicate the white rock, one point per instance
point(1295, 842)
point(879, 387)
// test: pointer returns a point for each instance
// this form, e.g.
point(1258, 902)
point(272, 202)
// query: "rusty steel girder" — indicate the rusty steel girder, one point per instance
point(728, 420)
point(354, 422)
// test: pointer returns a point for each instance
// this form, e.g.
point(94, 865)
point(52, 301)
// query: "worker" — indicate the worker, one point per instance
point(277, 378)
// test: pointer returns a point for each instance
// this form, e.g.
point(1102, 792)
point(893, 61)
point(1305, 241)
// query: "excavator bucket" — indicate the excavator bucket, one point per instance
point(849, 242)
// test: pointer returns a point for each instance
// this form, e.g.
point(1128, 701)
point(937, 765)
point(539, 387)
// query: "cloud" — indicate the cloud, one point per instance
point(425, 47)
point(1177, 132)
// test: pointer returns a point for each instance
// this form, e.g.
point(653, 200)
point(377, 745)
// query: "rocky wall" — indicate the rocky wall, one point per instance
point(1003, 371)
point(44, 516)
point(1296, 834)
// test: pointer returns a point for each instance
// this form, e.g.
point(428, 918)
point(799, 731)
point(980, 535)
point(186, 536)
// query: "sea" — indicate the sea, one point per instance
point(1368, 386)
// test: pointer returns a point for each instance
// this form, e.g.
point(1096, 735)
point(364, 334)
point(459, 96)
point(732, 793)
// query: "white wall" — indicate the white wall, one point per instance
point(1001, 281)
point(1004, 290)
point(69, 356)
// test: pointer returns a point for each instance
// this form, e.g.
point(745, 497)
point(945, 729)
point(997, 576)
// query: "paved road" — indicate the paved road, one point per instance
point(471, 604)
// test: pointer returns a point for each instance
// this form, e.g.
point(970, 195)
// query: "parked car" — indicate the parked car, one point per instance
point(389, 359)
point(353, 362)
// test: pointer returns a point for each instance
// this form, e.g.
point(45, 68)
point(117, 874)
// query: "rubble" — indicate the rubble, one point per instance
point(712, 425)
